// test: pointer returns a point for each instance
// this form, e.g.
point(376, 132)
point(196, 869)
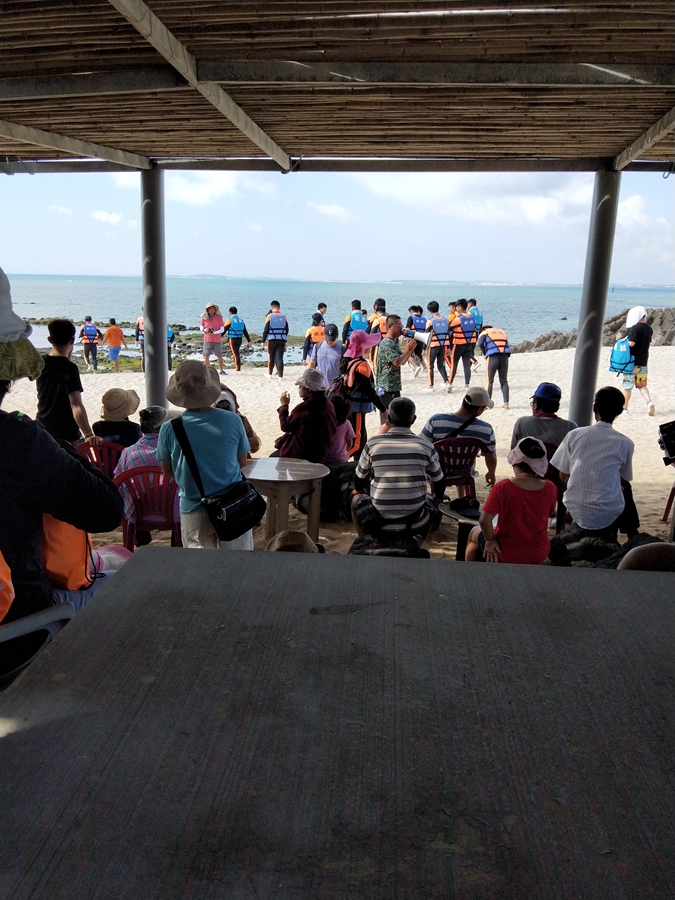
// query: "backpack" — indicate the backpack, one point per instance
point(340, 384)
point(621, 358)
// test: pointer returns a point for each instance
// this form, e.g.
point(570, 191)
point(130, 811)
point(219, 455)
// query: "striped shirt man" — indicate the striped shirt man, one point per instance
point(400, 464)
point(442, 425)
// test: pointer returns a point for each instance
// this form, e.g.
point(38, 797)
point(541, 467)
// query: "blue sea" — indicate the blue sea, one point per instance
point(523, 310)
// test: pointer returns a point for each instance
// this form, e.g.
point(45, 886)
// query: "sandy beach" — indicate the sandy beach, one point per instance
point(259, 398)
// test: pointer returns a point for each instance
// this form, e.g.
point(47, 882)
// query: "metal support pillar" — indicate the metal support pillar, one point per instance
point(594, 295)
point(154, 286)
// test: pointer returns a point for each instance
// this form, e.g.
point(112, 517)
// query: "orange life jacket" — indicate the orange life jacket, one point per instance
point(66, 554)
point(316, 333)
point(496, 341)
point(463, 329)
point(6, 588)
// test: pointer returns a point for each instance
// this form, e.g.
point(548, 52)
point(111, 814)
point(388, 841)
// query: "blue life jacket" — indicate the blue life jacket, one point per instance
point(419, 323)
point(441, 328)
point(278, 327)
point(478, 316)
point(90, 332)
point(358, 321)
point(169, 334)
point(237, 325)
point(621, 358)
point(468, 324)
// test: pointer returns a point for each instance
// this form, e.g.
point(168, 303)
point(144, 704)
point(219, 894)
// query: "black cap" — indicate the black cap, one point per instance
point(331, 332)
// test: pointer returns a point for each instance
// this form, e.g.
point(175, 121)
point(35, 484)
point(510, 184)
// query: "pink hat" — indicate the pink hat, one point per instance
point(360, 341)
point(531, 451)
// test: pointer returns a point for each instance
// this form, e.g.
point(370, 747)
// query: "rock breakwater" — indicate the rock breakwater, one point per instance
point(661, 320)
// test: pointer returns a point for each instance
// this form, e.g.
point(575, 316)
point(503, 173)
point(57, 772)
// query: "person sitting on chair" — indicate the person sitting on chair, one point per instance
point(466, 423)
point(41, 475)
point(399, 464)
point(309, 428)
point(114, 425)
point(523, 504)
point(544, 423)
point(143, 453)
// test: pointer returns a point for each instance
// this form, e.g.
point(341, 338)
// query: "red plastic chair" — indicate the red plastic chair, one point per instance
point(105, 457)
point(669, 503)
point(554, 475)
point(153, 495)
point(457, 456)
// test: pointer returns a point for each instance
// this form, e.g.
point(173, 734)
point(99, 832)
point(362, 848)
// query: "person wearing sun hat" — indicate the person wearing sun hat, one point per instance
point(40, 475)
point(114, 425)
point(544, 423)
point(219, 443)
point(309, 428)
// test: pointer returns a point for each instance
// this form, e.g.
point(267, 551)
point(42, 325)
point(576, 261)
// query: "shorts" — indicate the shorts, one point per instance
point(213, 347)
point(114, 352)
point(637, 378)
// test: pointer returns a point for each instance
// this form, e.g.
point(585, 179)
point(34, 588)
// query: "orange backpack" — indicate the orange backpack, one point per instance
point(6, 588)
point(66, 554)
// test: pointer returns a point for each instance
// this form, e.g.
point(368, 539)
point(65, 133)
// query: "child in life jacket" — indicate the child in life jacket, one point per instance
point(314, 335)
point(356, 320)
point(417, 321)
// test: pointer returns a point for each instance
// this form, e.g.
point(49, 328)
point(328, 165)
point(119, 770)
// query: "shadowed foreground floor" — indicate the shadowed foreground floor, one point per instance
point(230, 725)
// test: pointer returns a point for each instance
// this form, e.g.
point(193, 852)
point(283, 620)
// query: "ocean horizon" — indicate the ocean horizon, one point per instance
point(524, 309)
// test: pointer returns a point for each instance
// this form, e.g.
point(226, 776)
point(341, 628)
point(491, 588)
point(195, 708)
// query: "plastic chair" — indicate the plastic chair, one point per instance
point(24, 638)
point(153, 495)
point(552, 474)
point(105, 457)
point(457, 456)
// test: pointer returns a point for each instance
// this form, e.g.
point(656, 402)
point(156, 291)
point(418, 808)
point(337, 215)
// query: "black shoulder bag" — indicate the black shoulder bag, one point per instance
point(232, 513)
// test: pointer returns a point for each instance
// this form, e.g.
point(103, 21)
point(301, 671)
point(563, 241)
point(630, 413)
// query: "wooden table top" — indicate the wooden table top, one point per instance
point(291, 726)
point(269, 469)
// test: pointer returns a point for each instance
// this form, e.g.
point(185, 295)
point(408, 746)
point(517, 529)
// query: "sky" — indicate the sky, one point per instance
point(497, 227)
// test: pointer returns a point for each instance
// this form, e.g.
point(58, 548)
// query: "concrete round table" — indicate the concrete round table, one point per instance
point(278, 480)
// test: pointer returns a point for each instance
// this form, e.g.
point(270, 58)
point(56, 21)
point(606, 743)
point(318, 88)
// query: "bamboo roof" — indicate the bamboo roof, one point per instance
point(190, 83)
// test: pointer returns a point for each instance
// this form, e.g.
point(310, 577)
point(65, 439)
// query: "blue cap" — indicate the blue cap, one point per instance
point(548, 391)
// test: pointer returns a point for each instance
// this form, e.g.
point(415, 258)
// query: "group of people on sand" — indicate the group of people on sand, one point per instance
point(395, 479)
point(91, 337)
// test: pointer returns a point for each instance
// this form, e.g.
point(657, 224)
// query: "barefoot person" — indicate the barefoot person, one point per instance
point(523, 504)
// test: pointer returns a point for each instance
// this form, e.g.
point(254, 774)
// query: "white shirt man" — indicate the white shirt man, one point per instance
point(594, 460)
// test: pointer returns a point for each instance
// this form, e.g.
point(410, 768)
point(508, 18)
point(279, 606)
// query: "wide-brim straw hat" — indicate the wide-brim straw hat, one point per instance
point(292, 542)
point(117, 404)
point(18, 357)
point(193, 385)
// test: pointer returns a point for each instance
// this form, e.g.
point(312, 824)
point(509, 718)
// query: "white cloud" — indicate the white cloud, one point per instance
point(332, 210)
point(641, 238)
point(255, 226)
point(110, 218)
point(200, 188)
point(132, 223)
point(126, 180)
point(531, 201)
point(61, 211)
